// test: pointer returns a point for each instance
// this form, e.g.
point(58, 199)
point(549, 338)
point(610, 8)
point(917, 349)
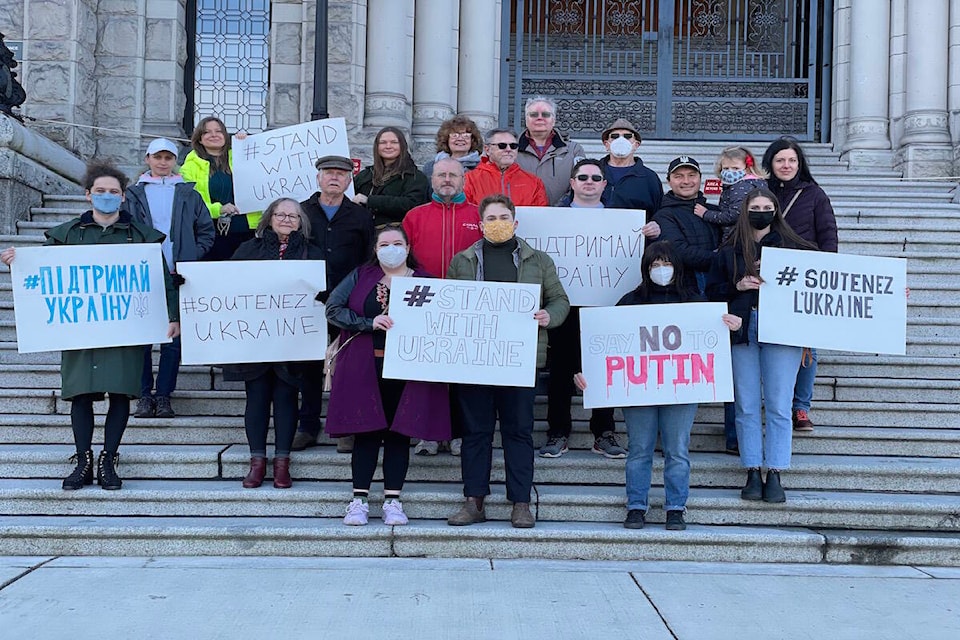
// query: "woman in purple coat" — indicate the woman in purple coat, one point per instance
point(378, 411)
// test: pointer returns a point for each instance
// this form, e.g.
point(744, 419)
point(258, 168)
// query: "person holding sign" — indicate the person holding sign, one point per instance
point(377, 411)
point(763, 373)
point(502, 257)
point(88, 374)
point(662, 283)
point(283, 234)
point(393, 185)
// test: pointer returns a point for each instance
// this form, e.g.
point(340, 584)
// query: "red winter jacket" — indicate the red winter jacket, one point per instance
point(439, 231)
point(525, 189)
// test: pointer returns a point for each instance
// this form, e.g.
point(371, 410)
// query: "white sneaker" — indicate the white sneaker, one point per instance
point(357, 512)
point(455, 446)
point(426, 448)
point(393, 513)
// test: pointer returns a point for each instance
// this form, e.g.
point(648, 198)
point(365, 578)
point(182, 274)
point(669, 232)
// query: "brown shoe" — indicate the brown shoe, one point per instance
point(258, 469)
point(345, 444)
point(521, 517)
point(470, 513)
point(281, 473)
point(801, 421)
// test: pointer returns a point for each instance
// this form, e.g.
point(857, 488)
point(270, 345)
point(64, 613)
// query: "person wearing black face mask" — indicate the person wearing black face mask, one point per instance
point(735, 279)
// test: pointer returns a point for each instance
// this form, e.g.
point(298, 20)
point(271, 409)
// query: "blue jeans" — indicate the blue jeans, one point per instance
point(167, 370)
point(764, 374)
point(673, 423)
point(803, 391)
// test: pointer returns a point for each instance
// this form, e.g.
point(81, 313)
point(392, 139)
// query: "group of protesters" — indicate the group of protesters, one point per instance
point(457, 219)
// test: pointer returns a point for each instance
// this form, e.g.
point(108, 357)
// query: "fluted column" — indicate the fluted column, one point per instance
point(953, 91)
point(389, 92)
point(434, 64)
point(478, 85)
point(868, 121)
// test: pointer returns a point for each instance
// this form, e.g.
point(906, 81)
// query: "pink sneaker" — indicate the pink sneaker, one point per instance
point(393, 513)
point(357, 512)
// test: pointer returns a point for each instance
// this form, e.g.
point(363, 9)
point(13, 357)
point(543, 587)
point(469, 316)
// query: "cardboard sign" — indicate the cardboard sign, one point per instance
point(597, 251)
point(252, 311)
point(281, 163)
point(462, 331)
point(89, 296)
point(833, 301)
point(656, 354)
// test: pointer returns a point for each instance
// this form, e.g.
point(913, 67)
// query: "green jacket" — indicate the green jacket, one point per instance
point(533, 267)
point(108, 369)
point(391, 201)
point(197, 170)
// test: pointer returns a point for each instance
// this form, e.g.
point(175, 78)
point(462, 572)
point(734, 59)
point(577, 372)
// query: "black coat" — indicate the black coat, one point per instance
point(695, 240)
point(345, 241)
point(811, 217)
point(640, 188)
point(390, 201)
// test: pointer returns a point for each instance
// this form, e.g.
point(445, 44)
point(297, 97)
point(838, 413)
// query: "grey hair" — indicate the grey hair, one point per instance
point(534, 99)
point(494, 132)
point(272, 208)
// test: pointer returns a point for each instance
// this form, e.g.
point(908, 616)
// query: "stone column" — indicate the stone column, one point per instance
point(346, 61)
point(479, 66)
point(840, 95)
point(434, 66)
point(286, 54)
point(953, 91)
point(925, 148)
point(868, 139)
point(166, 53)
point(389, 90)
point(898, 71)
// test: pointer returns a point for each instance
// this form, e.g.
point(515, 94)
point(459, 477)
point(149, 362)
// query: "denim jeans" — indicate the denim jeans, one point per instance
point(167, 370)
point(764, 374)
point(673, 423)
point(803, 391)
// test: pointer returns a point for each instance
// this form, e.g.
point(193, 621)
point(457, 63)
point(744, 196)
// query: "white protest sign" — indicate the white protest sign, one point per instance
point(462, 331)
point(597, 251)
point(641, 355)
point(88, 296)
point(280, 163)
point(252, 311)
point(833, 301)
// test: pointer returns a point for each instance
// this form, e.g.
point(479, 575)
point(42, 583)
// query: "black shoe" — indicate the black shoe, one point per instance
point(772, 490)
point(83, 474)
point(107, 476)
point(753, 490)
point(732, 449)
point(146, 408)
point(164, 410)
point(675, 521)
point(635, 519)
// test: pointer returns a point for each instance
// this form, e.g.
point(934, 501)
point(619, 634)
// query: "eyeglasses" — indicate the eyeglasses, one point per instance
point(582, 177)
point(505, 145)
point(460, 134)
point(627, 136)
point(285, 216)
point(388, 225)
point(539, 114)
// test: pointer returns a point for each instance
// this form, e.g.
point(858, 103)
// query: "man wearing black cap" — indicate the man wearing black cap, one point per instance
point(344, 231)
point(681, 222)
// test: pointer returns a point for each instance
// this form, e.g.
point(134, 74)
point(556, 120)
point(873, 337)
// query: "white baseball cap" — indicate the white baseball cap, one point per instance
point(161, 144)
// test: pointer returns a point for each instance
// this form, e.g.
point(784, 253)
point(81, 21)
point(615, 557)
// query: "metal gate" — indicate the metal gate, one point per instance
point(681, 69)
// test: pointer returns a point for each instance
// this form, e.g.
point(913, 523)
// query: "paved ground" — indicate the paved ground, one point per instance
point(210, 598)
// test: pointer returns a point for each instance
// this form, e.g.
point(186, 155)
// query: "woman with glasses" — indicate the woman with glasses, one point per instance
point(544, 151)
point(393, 185)
point(283, 234)
point(460, 139)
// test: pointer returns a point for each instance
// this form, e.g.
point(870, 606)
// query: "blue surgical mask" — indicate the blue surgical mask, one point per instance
point(106, 202)
point(732, 176)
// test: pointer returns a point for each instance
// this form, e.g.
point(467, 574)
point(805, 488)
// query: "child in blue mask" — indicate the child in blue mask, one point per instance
point(738, 170)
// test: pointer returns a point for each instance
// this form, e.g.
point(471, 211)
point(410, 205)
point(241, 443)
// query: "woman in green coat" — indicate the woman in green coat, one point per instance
point(393, 185)
point(88, 374)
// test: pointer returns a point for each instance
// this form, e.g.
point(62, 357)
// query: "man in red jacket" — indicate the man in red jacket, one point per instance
point(498, 172)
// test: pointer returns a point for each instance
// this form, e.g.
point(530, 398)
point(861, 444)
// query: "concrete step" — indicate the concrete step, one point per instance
point(835, 364)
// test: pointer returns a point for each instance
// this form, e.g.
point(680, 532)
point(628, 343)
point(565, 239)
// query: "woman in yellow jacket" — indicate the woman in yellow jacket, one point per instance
point(209, 167)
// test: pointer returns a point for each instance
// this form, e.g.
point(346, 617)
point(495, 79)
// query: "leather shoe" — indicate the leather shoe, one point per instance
point(470, 513)
point(772, 489)
point(281, 473)
point(303, 440)
point(258, 469)
point(521, 517)
point(753, 490)
point(345, 444)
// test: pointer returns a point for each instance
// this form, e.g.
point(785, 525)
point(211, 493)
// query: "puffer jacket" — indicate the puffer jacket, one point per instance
point(525, 189)
point(811, 217)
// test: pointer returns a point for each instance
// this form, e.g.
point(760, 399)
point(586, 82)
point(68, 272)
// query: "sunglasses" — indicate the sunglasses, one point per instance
point(582, 177)
point(389, 225)
point(505, 145)
point(539, 114)
point(627, 136)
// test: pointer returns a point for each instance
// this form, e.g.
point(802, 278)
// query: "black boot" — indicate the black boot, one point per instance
point(772, 490)
point(753, 490)
point(83, 474)
point(107, 476)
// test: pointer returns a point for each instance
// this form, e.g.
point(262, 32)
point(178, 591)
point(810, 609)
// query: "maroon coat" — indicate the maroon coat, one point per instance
point(355, 404)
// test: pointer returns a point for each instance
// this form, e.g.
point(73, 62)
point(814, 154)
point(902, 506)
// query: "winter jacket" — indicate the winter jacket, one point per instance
point(525, 189)
point(731, 201)
point(438, 231)
point(695, 240)
point(391, 201)
point(191, 229)
point(811, 216)
point(345, 241)
point(197, 170)
point(355, 402)
point(533, 267)
point(640, 188)
point(107, 369)
point(556, 164)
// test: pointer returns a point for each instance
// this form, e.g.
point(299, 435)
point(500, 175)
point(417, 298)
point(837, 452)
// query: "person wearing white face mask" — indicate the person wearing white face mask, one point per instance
point(378, 412)
point(630, 184)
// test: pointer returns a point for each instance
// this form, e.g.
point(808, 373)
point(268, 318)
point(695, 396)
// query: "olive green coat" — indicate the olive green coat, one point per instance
point(110, 369)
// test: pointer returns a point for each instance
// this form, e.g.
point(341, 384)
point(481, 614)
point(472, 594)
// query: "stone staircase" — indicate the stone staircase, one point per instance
point(877, 482)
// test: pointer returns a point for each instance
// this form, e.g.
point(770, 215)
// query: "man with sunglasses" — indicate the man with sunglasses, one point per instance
point(544, 151)
point(498, 172)
point(630, 184)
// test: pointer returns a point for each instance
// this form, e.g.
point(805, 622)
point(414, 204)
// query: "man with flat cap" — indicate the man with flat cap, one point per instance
point(344, 231)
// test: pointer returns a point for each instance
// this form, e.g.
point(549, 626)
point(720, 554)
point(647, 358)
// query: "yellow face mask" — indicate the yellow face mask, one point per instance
point(498, 231)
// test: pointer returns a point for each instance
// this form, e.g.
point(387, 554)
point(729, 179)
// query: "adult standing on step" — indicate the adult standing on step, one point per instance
point(164, 201)
point(458, 138)
point(89, 374)
point(499, 173)
point(393, 185)
point(630, 183)
point(808, 211)
point(544, 151)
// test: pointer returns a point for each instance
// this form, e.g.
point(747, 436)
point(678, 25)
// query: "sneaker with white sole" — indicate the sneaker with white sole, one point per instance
point(426, 448)
point(608, 447)
point(357, 512)
point(555, 447)
point(456, 445)
point(393, 513)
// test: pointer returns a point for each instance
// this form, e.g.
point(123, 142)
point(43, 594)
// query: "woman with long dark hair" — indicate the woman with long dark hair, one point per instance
point(393, 185)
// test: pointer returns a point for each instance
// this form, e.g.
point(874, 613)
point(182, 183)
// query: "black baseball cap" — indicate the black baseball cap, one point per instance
point(683, 161)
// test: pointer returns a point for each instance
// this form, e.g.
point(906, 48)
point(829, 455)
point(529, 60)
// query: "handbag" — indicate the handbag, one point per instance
point(330, 360)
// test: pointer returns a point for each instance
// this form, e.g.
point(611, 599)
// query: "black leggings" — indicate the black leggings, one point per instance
point(396, 459)
point(261, 393)
point(81, 419)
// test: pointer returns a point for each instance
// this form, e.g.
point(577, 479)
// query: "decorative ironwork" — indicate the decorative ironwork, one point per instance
point(765, 25)
point(233, 63)
point(565, 17)
point(740, 89)
point(739, 118)
point(709, 24)
point(624, 17)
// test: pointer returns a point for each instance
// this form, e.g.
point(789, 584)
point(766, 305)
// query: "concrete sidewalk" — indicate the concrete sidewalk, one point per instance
point(226, 597)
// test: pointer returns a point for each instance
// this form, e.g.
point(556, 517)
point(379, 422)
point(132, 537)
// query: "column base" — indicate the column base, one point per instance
point(917, 160)
point(387, 110)
point(864, 159)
